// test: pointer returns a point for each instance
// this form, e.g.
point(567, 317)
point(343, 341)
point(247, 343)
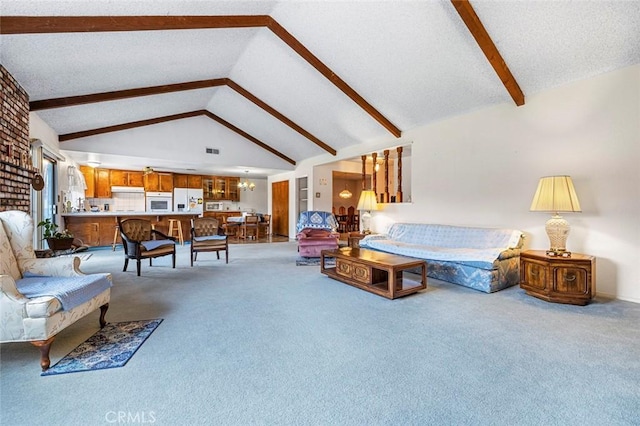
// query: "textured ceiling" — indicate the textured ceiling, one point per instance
point(414, 61)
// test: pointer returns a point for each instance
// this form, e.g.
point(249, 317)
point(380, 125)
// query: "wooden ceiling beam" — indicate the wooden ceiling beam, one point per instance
point(124, 94)
point(157, 120)
point(248, 95)
point(79, 24)
point(482, 37)
point(248, 136)
point(306, 54)
point(167, 88)
point(126, 126)
point(93, 24)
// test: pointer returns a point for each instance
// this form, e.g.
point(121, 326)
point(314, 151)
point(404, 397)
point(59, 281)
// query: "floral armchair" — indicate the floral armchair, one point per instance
point(316, 231)
point(41, 297)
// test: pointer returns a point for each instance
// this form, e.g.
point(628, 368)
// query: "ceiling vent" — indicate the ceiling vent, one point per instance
point(213, 151)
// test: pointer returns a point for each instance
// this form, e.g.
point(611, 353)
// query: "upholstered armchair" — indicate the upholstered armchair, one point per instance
point(204, 237)
point(316, 231)
point(141, 241)
point(41, 297)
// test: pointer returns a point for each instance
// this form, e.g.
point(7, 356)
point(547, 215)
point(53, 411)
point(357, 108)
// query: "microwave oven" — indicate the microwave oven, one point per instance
point(159, 201)
point(213, 206)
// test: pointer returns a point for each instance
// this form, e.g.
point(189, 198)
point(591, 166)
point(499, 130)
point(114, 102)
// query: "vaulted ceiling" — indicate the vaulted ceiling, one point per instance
point(270, 83)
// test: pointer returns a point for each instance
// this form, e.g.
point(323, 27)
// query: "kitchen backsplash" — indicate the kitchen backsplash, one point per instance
point(120, 202)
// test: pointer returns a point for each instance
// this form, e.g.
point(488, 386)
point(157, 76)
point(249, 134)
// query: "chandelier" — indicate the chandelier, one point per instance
point(345, 193)
point(246, 184)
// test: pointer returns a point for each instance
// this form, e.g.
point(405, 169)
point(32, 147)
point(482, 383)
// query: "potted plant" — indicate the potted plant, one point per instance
point(55, 239)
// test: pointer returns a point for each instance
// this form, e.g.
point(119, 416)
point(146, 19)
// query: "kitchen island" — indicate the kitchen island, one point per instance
point(98, 228)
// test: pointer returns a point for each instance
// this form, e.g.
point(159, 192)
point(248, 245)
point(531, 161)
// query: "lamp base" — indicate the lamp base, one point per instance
point(557, 230)
point(366, 221)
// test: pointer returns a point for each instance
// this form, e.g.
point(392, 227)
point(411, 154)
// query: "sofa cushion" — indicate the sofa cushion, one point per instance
point(70, 291)
point(43, 307)
point(8, 262)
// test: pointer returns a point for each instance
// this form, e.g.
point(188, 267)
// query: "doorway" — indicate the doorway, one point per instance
point(280, 208)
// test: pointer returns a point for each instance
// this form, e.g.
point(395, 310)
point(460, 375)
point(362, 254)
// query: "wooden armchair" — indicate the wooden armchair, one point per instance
point(204, 237)
point(138, 244)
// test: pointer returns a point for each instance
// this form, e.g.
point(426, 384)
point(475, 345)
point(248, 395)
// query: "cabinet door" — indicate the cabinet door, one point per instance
point(119, 178)
point(103, 183)
point(90, 180)
point(151, 182)
point(570, 281)
point(232, 188)
point(89, 232)
point(194, 181)
point(180, 181)
point(165, 182)
point(136, 179)
point(533, 275)
point(220, 187)
point(207, 187)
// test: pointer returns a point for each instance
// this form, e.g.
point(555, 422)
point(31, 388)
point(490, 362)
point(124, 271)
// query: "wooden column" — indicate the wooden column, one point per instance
point(385, 196)
point(399, 192)
point(374, 156)
point(364, 172)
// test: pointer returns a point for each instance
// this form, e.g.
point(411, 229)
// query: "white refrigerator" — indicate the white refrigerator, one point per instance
point(187, 200)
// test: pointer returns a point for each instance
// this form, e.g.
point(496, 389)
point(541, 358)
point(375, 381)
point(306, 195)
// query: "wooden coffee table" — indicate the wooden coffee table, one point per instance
point(377, 272)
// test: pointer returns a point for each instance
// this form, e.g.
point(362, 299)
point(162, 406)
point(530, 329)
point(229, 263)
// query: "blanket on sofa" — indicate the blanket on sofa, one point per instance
point(485, 259)
point(477, 247)
point(70, 291)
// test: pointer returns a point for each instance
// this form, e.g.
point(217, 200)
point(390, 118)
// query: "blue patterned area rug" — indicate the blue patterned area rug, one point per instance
point(315, 261)
point(110, 347)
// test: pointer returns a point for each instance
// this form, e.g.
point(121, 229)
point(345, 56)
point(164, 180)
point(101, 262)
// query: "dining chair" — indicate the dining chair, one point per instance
point(204, 237)
point(250, 226)
point(141, 241)
point(266, 225)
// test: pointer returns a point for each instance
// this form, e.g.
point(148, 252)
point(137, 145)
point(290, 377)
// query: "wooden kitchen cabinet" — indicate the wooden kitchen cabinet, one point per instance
point(232, 188)
point(158, 182)
point(187, 181)
point(103, 183)
point(90, 179)
point(126, 178)
point(558, 279)
point(88, 231)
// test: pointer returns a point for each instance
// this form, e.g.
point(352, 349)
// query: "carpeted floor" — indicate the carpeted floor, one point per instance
point(262, 341)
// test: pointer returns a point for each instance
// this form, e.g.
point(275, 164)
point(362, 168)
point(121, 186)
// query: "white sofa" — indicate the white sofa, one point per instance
point(485, 259)
point(60, 294)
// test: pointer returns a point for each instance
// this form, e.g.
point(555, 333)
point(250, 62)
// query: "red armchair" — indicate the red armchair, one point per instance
point(316, 232)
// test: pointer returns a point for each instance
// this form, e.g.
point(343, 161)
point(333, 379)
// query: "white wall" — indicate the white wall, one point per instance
point(482, 169)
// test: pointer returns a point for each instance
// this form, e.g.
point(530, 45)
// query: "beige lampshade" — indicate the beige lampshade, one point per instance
point(367, 201)
point(555, 194)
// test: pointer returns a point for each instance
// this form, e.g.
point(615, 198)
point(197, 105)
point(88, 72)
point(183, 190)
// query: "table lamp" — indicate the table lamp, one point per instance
point(366, 203)
point(556, 194)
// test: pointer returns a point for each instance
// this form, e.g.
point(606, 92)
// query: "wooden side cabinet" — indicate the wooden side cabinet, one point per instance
point(568, 280)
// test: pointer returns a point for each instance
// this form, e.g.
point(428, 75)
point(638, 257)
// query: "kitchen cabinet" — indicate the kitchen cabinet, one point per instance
point(87, 230)
point(158, 182)
point(187, 181)
point(103, 183)
point(126, 178)
point(232, 188)
point(90, 179)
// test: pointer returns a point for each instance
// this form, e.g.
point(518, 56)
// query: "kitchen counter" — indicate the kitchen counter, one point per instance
point(100, 228)
point(127, 213)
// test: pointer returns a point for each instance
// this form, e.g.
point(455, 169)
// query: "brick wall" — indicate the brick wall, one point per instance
point(15, 160)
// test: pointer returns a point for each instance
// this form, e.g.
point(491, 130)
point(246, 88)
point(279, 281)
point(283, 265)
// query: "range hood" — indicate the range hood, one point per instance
point(130, 189)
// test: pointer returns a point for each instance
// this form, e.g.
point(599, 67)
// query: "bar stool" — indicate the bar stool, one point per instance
point(116, 234)
point(177, 228)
